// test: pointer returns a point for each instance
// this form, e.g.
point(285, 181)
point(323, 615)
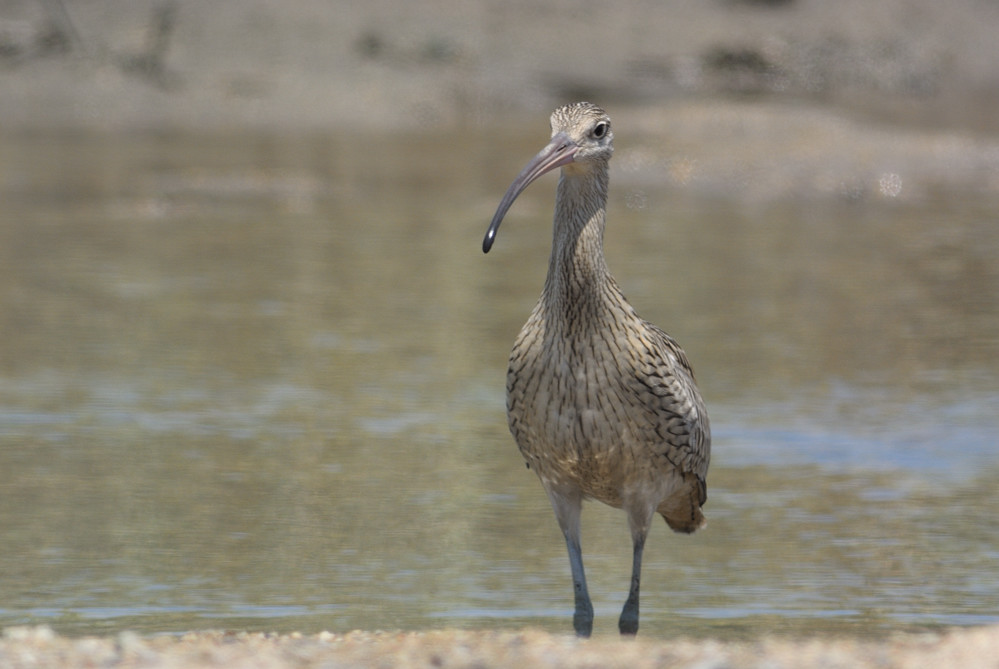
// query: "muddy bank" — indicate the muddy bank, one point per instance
point(751, 99)
point(40, 647)
point(120, 64)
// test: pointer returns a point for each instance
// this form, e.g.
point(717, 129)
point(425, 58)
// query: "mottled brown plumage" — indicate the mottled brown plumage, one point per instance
point(602, 404)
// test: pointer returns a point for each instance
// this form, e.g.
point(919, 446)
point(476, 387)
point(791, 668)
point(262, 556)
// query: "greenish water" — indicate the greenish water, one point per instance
point(257, 382)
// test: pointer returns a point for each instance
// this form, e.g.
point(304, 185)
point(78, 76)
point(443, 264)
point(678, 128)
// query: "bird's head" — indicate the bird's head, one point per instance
point(581, 139)
point(586, 127)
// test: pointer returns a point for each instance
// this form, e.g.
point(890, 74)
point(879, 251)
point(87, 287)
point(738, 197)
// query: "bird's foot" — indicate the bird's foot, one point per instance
point(628, 623)
point(628, 627)
point(582, 622)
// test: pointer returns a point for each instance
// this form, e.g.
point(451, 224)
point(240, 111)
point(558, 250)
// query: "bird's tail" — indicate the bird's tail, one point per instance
point(682, 510)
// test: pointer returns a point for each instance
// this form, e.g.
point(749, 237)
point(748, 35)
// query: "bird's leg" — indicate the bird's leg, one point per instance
point(639, 522)
point(628, 624)
point(582, 619)
point(567, 511)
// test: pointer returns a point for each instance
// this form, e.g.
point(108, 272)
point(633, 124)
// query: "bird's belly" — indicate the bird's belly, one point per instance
point(573, 432)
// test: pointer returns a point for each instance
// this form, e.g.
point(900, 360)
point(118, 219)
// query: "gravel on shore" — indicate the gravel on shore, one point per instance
point(29, 647)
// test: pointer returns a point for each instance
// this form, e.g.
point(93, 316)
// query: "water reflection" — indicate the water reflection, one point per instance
point(258, 382)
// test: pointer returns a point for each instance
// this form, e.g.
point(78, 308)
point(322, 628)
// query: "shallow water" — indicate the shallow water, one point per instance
point(257, 382)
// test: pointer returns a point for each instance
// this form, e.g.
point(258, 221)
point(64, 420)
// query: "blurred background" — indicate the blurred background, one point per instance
point(253, 359)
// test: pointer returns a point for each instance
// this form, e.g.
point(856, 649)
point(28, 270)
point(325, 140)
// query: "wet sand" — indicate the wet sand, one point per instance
point(24, 648)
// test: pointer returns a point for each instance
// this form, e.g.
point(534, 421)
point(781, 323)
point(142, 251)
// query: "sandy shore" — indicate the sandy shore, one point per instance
point(24, 647)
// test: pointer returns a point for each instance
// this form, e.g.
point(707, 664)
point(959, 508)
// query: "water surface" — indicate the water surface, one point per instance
point(257, 382)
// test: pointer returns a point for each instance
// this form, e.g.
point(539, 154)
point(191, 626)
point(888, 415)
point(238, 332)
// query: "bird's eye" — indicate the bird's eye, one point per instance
point(600, 129)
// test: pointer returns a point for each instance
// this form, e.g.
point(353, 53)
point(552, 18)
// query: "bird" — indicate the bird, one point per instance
point(602, 404)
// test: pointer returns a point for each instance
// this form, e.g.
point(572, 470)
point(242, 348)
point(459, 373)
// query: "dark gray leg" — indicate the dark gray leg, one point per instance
point(568, 505)
point(628, 624)
point(582, 619)
point(639, 519)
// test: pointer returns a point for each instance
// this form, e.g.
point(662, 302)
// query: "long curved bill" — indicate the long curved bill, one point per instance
point(560, 151)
